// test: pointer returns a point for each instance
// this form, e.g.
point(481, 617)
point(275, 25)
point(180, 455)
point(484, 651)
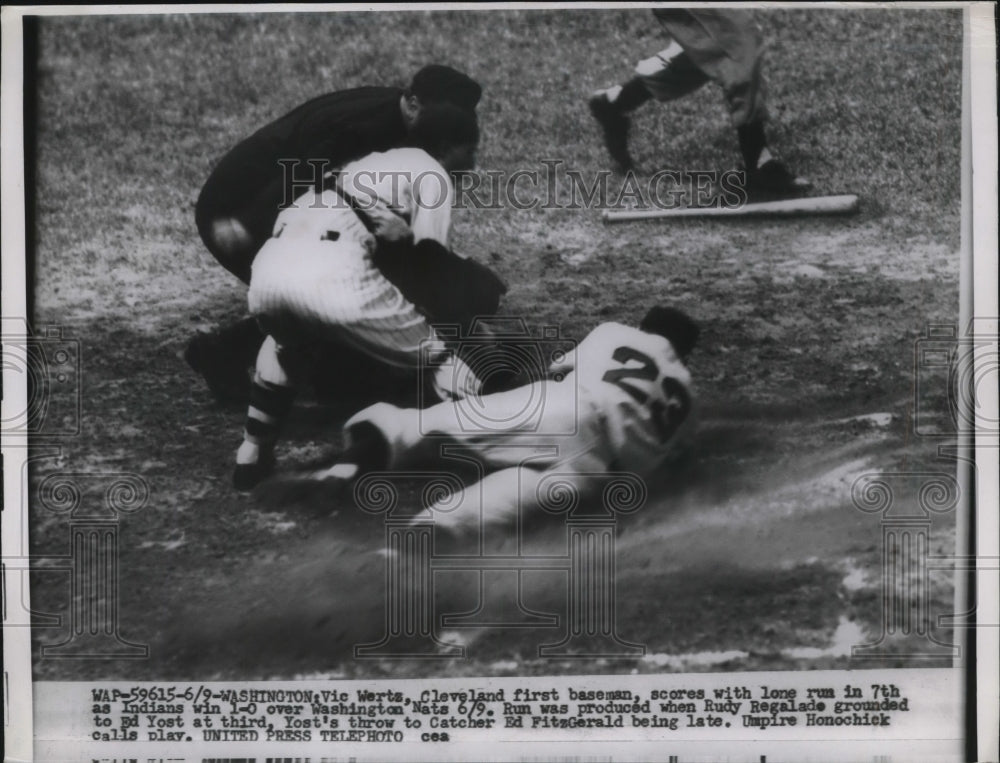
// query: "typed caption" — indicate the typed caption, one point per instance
point(450, 718)
point(169, 713)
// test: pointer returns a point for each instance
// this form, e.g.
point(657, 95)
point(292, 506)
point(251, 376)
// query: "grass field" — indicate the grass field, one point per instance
point(751, 556)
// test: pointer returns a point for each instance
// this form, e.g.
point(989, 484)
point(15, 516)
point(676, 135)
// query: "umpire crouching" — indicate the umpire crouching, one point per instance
point(242, 197)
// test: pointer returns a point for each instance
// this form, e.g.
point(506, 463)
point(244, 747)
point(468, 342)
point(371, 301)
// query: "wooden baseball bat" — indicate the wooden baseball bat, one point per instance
point(812, 205)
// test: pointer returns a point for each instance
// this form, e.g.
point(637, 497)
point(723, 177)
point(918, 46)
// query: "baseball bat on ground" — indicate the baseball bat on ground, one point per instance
point(846, 204)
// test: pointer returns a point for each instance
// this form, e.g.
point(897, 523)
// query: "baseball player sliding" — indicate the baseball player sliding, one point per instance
point(623, 401)
point(717, 44)
point(315, 278)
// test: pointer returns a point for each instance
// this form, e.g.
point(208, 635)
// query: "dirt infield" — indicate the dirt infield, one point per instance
point(750, 554)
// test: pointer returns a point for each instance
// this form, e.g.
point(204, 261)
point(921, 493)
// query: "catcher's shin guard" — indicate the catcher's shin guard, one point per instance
point(269, 405)
point(271, 398)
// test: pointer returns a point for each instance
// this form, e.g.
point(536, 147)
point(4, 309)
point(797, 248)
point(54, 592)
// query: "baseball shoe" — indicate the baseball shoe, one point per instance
point(773, 180)
point(615, 126)
point(227, 379)
point(247, 476)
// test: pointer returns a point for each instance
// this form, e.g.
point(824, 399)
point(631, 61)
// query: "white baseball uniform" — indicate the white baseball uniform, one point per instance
point(315, 279)
point(624, 404)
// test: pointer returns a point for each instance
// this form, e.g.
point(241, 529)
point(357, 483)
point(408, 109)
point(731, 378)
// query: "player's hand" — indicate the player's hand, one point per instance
point(388, 225)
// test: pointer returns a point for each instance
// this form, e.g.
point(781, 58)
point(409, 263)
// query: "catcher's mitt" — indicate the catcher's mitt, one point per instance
point(446, 287)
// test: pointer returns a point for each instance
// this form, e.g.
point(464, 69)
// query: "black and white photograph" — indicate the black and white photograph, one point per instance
point(427, 383)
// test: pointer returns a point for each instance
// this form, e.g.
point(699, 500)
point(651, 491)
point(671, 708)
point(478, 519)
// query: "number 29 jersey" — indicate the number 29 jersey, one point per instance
point(638, 385)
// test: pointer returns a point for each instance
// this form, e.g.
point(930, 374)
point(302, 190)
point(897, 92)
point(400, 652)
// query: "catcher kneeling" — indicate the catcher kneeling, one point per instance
point(316, 280)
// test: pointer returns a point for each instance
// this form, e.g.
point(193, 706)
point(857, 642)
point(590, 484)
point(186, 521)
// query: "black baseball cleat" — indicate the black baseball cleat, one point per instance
point(773, 180)
point(247, 476)
point(615, 126)
point(227, 379)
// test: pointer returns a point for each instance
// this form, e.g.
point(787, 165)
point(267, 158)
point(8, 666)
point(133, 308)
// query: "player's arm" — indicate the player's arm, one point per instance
point(388, 225)
point(559, 368)
point(432, 196)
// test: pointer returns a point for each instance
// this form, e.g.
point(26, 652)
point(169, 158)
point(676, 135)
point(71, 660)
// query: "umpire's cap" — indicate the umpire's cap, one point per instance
point(442, 83)
point(677, 326)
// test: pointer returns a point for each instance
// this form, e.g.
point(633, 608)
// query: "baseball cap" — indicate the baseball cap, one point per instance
point(673, 324)
point(437, 82)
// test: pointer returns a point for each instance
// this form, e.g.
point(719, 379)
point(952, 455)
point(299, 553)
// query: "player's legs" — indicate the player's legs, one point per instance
point(725, 45)
point(304, 291)
point(518, 496)
point(495, 501)
point(610, 108)
point(365, 310)
point(668, 75)
point(271, 398)
point(539, 421)
point(722, 45)
point(272, 300)
point(385, 325)
point(408, 437)
point(516, 462)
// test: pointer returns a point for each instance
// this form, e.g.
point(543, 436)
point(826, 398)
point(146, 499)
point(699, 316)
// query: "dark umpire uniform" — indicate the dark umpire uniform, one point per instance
point(239, 203)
